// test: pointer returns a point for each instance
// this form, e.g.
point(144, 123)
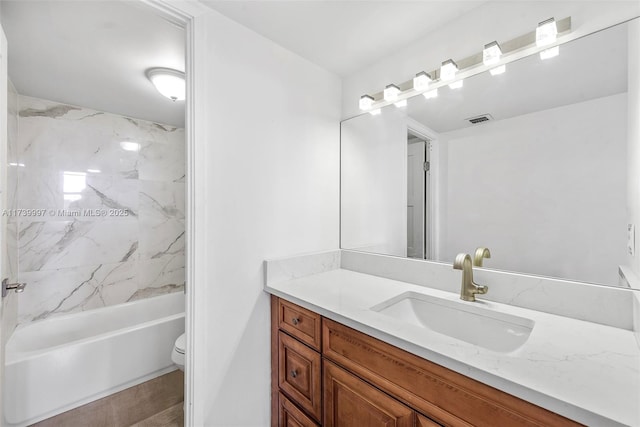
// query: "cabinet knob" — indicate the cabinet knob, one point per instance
point(294, 373)
point(295, 320)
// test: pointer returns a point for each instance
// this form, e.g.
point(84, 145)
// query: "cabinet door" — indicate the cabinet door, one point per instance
point(351, 402)
point(299, 374)
point(290, 416)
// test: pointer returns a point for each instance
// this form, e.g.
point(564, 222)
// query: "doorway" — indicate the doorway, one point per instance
point(105, 173)
point(418, 196)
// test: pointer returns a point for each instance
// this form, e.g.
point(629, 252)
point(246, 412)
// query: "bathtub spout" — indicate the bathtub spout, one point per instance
point(6, 287)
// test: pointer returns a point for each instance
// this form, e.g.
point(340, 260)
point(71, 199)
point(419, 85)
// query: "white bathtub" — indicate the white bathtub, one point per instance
point(61, 363)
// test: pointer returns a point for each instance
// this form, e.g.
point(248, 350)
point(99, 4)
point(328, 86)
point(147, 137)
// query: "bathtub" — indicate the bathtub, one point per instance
point(57, 364)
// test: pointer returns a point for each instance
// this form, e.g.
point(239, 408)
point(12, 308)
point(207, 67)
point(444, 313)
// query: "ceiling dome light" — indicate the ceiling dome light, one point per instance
point(168, 82)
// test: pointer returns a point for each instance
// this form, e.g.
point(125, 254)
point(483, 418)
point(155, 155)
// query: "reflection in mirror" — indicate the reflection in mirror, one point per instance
point(531, 163)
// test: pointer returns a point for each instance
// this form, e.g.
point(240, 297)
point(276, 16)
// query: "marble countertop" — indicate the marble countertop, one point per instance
point(585, 371)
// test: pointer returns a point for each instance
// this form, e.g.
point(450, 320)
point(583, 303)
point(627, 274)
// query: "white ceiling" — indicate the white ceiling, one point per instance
point(93, 54)
point(343, 36)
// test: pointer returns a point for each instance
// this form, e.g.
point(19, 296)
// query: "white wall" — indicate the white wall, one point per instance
point(465, 36)
point(270, 167)
point(550, 181)
point(633, 135)
point(374, 183)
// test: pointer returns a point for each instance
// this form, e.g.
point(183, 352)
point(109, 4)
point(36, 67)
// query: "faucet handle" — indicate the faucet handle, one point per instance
point(481, 253)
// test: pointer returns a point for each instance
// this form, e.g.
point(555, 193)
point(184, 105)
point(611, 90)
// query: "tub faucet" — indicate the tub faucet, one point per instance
point(6, 287)
point(468, 289)
point(480, 254)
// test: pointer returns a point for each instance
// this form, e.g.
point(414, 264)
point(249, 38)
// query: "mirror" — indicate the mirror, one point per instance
point(540, 178)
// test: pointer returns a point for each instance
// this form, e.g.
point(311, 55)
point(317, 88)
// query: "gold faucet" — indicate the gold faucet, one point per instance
point(480, 254)
point(468, 289)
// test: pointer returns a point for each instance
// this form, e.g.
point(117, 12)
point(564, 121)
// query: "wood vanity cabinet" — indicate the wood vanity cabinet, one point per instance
point(325, 373)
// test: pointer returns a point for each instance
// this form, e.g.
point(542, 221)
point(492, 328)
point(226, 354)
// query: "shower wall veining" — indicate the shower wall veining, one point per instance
point(103, 200)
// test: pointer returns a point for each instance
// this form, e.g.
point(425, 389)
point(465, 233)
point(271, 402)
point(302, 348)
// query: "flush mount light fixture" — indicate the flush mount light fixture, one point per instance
point(421, 81)
point(366, 102)
point(457, 85)
point(491, 53)
point(375, 112)
point(401, 104)
point(546, 32)
point(448, 70)
point(431, 94)
point(168, 82)
point(550, 53)
point(391, 92)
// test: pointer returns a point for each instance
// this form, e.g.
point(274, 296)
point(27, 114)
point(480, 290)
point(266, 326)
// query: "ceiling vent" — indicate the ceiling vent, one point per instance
point(479, 119)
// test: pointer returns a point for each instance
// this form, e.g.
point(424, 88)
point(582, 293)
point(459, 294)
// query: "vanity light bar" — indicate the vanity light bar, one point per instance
point(421, 81)
point(546, 32)
point(391, 92)
point(448, 70)
point(366, 102)
point(491, 53)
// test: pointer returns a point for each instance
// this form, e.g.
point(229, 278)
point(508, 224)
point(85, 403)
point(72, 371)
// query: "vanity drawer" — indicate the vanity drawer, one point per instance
point(290, 416)
point(352, 402)
point(445, 396)
point(299, 374)
point(300, 323)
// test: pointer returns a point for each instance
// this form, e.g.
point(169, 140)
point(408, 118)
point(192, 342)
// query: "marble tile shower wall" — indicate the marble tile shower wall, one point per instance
point(107, 201)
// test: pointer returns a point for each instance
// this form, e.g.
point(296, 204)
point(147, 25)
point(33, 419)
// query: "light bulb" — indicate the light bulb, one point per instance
point(391, 92)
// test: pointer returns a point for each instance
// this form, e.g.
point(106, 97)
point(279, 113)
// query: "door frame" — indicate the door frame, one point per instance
point(433, 194)
point(189, 15)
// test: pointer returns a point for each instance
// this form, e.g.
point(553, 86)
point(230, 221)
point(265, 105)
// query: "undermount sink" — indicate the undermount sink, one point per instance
point(469, 322)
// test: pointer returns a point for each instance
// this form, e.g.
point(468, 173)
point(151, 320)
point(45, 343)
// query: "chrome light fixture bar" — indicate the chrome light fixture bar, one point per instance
point(546, 32)
point(448, 70)
point(393, 94)
point(491, 53)
point(366, 102)
point(421, 81)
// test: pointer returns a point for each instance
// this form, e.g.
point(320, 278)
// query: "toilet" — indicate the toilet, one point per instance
point(177, 355)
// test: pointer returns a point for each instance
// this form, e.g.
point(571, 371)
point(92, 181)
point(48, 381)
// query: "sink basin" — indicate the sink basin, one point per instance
point(469, 322)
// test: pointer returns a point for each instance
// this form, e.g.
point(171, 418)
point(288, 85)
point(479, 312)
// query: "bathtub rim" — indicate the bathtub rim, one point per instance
point(13, 356)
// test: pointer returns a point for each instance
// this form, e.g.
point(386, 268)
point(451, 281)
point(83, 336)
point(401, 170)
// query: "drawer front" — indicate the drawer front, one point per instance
point(290, 416)
point(300, 323)
point(430, 388)
point(351, 402)
point(422, 421)
point(299, 372)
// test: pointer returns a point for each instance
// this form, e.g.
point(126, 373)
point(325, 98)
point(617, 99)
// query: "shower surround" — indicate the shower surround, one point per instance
point(101, 201)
